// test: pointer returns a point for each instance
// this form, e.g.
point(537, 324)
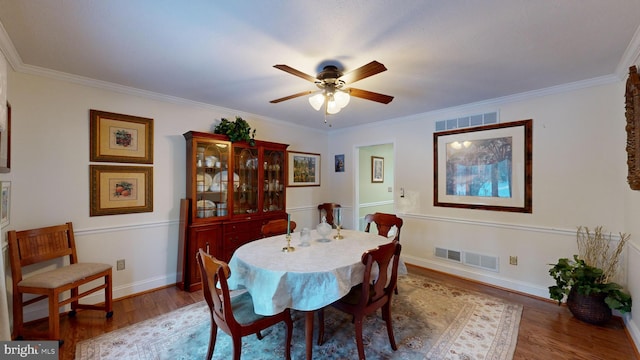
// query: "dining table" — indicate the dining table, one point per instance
point(305, 278)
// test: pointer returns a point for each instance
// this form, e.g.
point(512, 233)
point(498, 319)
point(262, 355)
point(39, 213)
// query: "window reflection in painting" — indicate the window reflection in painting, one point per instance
point(480, 168)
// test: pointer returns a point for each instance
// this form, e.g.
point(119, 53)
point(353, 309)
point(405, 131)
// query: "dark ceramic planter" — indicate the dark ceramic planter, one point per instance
point(589, 308)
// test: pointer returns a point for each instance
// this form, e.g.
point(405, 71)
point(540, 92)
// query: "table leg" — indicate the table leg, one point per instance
point(309, 333)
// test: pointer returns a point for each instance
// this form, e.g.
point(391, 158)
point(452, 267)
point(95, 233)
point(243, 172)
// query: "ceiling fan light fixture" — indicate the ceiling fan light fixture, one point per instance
point(342, 98)
point(332, 105)
point(316, 101)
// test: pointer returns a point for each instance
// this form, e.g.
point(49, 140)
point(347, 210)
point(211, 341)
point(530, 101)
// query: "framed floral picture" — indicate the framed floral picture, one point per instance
point(120, 138)
point(304, 169)
point(120, 189)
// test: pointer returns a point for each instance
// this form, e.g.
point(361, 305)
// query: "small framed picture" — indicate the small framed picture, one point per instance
point(304, 169)
point(5, 203)
point(340, 163)
point(121, 189)
point(377, 169)
point(120, 138)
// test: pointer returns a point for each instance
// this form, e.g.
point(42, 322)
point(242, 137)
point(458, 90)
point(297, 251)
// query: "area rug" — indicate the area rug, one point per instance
point(431, 320)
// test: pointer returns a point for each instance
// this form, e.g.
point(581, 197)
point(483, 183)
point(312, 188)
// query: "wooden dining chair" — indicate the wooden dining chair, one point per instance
point(375, 292)
point(276, 227)
point(53, 245)
point(384, 222)
point(234, 315)
point(326, 210)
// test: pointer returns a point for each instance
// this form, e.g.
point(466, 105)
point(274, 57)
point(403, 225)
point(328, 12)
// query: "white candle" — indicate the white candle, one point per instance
point(288, 224)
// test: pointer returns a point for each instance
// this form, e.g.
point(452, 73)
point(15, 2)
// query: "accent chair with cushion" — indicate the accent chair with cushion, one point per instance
point(48, 246)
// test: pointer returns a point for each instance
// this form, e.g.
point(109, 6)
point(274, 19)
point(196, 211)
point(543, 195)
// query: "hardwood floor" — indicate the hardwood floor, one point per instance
point(547, 331)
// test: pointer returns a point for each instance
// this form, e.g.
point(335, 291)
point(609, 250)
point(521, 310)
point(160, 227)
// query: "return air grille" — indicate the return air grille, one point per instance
point(470, 259)
point(448, 254)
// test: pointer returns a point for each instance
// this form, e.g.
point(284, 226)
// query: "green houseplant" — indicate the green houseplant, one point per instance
point(238, 130)
point(587, 280)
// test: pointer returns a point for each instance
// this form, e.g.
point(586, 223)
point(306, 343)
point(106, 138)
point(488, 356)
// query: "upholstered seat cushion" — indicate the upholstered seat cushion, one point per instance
point(64, 275)
point(242, 307)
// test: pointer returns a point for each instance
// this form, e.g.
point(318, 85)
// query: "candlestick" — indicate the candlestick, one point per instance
point(288, 224)
point(288, 248)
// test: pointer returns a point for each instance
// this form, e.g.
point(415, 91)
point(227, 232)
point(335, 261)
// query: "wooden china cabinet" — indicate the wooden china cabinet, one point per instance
point(232, 190)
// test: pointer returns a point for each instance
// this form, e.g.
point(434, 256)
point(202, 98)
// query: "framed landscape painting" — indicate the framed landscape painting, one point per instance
point(485, 167)
point(120, 138)
point(304, 169)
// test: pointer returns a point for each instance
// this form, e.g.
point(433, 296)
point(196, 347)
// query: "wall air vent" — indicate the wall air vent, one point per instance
point(481, 261)
point(470, 259)
point(448, 254)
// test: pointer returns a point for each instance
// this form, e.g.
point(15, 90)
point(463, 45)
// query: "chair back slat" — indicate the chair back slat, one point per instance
point(384, 223)
point(385, 281)
point(215, 272)
point(33, 246)
point(326, 210)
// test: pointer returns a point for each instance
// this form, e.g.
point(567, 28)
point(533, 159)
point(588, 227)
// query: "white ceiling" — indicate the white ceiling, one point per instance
point(439, 54)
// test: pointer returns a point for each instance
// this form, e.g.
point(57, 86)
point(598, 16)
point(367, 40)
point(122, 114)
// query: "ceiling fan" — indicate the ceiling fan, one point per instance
point(334, 91)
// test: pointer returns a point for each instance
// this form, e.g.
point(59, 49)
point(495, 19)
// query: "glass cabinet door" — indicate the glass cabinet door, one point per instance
point(245, 196)
point(212, 162)
point(273, 186)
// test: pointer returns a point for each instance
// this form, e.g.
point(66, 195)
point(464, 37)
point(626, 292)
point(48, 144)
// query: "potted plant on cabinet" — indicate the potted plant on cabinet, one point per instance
point(237, 130)
point(587, 280)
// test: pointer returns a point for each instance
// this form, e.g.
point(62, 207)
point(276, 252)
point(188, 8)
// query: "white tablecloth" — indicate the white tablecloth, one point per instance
point(308, 278)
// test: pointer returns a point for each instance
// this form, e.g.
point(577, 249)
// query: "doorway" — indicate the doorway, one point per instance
point(373, 195)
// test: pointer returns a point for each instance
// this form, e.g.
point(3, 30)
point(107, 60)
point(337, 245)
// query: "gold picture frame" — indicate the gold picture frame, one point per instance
point(5, 144)
point(120, 138)
point(377, 169)
point(120, 189)
point(486, 167)
point(632, 114)
point(304, 169)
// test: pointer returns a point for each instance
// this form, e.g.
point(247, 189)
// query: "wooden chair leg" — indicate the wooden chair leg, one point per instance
point(386, 311)
point(359, 343)
point(108, 295)
point(212, 339)
point(54, 316)
point(18, 320)
point(237, 347)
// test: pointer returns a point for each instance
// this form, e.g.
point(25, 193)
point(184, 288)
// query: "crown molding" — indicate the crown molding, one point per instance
point(630, 57)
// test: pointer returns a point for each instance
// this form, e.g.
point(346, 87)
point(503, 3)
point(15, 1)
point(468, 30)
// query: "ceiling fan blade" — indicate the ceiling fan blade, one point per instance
point(292, 71)
point(302, 93)
point(362, 72)
point(369, 95)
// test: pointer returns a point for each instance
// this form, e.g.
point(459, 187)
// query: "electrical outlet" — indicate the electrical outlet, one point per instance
point(389, 189)
point(513, 260)
point(120, 264)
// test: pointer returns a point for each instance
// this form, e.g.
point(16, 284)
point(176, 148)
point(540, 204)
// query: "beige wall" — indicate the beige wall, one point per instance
point(579, 178)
